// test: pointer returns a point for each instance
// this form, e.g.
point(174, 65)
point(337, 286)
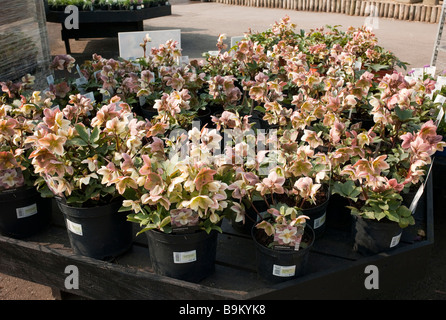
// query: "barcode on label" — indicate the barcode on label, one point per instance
point(395, 240)
point(319, 221)
point(26, 211)
point(74, 227)
point(284, 271)
point(185, 257)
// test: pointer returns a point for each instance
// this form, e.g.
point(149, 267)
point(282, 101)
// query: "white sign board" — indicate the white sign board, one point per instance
point(235, 40)
point(129, 42)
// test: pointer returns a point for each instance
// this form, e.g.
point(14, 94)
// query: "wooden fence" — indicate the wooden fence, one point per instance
point(382, 9)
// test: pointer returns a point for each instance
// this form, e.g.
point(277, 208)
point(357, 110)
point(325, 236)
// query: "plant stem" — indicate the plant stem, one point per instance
point(255, 209)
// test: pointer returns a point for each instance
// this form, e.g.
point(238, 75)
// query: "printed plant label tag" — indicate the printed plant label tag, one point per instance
point(185, 257)
point(74, 227)
point(50, 79)
point(441, 81)
point(284, 271)
point(413, 205)
point(26, 211)
point(282, 247)
point(395, 241)
point(319, 221)
point(440, 115)
point(90, 95)
point(440, 99)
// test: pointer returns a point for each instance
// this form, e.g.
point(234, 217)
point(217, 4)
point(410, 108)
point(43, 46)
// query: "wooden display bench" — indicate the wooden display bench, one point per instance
point(334, 270)
point(105, 23)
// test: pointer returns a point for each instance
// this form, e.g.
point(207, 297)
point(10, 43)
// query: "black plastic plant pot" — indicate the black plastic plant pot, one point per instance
point(99, 232)
point(24, 213)
point(204, 118)
point(372, 236)
point(338, 215)
point(317, 217)
point(277, 266)
point(189, 256)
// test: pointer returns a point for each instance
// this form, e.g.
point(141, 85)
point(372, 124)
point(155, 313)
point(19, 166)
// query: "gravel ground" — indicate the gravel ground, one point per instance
point(12, 288)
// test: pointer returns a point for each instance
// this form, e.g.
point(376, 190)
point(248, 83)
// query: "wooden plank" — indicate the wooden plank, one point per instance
point(45, 263)
point(349, 278)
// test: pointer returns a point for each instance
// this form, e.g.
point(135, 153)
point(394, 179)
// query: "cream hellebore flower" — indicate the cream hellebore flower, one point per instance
point(86, 180)
point(53, 143)
point(198, 202)
point(285, 234)
point(306, 188)
point(135, 205)
point(58, 185)
point(92, 163)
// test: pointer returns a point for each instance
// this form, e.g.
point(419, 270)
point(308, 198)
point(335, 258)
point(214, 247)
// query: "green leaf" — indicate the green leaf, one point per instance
point(377, 67)
point(403, 211)
point(94, 137)
point(347, 189)
point(392, 216)
point(123, 209)
point(260, 109)
point(165, 222)
point(76, 141)
point(403, 115)
point(82, 131)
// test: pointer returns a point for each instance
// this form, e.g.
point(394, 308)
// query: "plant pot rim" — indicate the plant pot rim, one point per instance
point(383, 220)
point(179, 237)
point(5, 195)
point(318, 206)
point(18, 189)
point(89, 212)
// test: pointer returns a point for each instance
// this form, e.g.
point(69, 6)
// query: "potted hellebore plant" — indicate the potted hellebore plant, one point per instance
point(24, 211)
point(376, 205)
point(274, 204)
point(283, 242)
point(243, 150)
point(69, 147)
point(177, 191)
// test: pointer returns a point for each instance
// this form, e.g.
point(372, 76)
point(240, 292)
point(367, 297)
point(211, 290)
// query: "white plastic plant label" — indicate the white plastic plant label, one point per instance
point(90, 95)
point(441, 80)
point(440, 115)
point(440, 99)
point(185, 257)
point(50, 79)
point(284, 271)
point(418, 73)
point(319, 221)
point(430, 70)
point(74, 227)
point(395, 241)
point(26, 211)
point(413, 205)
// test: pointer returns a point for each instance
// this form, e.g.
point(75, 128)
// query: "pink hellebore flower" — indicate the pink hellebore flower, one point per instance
point(272, 184)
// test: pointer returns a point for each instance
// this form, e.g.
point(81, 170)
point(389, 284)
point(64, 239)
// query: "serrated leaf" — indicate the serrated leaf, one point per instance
point(82, 131)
